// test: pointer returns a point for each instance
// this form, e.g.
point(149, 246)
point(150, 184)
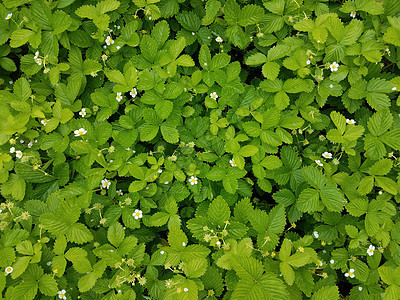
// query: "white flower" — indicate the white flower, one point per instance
point(388, 51)
point(133, 93)
point(319, 163)
point(334, 66)
point(80, 132)
point(82, 113)
point(360, 288)
point(9, 16)
point(166, 182)
point(21, 141)
point(193, 33)
point(183, 244)
point(193, 180)
point(118, 47)
point(109, 41)
point(380, 192)
point(218, 243)
point(1, 210)
point(331, 86)
point(320, 263)
point(61, 294)
point(232, 162)
point(214, 95)
point(370, 250)
point(30, 144)
point(44, 122)
point(9, 270)
point(12, 149)
point(138, 214)
point(308, 62)
point(49, 263)
point(105, 184)
point(327, 155)
point(218, 39)
point(394, 88)
point(316, 235)
point(120, 192)
point(353, 14)
point(350, 273)
point(332, 261)
point(350, 121)
point(162, 252)
point(119, 97)
point(18, 154)
point(39, 61)
point(318, 41)
point(36, 55)
point(185, 289)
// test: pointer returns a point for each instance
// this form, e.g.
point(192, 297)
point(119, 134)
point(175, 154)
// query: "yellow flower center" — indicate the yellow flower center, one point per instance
point(8, 269)
point(138, 214)
point(62, 295)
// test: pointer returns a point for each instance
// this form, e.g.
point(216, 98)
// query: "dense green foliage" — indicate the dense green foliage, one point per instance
point(172, 149)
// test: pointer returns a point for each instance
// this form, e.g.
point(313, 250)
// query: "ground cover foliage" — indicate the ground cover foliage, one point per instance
point(172, 149)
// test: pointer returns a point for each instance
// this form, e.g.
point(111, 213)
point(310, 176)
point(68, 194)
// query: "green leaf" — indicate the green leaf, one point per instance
point(78, 233)
point(148, 132)
point(281, 100)
point(22, 89)
point(256, 59)
point(380, 122)
point(195, 267)
point(48, 285)
point(327, 292)
point(251, 14)
point(270, 70)
point(20, 37)
point(164, 108)
point(107, 6)
point(308, 200)
point(333, 198)
point(216, 174)
point(218, 211)
point(287, 272)
point(159, 219)
point(230, 184)
point(169, 133)
point(115, 234)
point(248, 150)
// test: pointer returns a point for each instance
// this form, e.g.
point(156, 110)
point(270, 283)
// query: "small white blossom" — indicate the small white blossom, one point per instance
point(380, 192)
point(232, 162)
point(12, 149)
point(162, 252)
point(9, 270)
point(61, 294)
point(350, 121)
point(166, 182)
point(138, 214)
point(185, 289)
point(119, 96)
point(308, 62)
point(350, 273)
point(9, 16)
point(21, 141)
point(39, 61)
point(36, 55)
point(44, 122)
point(331, 86)
point(82, 113)
point(319, 163)
point(318, 41)
point(118, 47)
point(105, 184)
point(18, 154)
point(360, 288)
point(332, 261)
point(214, 96)
point(334, 66)
point(193, 33)
point(353, 14)
point(327, 155)
point(394, 88)
point(370, 250)
point(193, 180)
point(133, 93)
point(120, 192)
point(80, 132)
point(219, 39)
point(388, 51)
point(49, 263)
point(109, 40)
point(316, 235)
point(183, 244)
point(30, 144)
point(159, 171)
